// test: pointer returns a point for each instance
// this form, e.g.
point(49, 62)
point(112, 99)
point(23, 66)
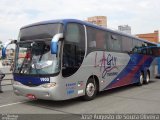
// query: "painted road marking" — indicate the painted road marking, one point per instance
point(6, 105)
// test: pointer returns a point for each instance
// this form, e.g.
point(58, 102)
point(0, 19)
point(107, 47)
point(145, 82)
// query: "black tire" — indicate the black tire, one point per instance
point(90, 90)
point(147, 80)
point(141, 79)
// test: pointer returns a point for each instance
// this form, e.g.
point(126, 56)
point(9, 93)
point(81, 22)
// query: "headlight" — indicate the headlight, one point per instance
point(17, 83)
point(48, 85)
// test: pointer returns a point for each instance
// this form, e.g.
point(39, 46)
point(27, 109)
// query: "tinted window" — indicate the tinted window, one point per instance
point(150, 48)
point(153, 50)
point(142, 47)
point(40, 31)
point(74, 49)
point(136, 48)
point(75, 33)
point(126, 44)
point(96, 38)
point(115, 42)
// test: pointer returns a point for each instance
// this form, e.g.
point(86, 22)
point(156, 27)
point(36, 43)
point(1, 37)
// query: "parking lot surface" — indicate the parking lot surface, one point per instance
point(129, 99)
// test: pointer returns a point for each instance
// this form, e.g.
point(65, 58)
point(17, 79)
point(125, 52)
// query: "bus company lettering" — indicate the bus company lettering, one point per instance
point(70, 84)
point(107, 64)
point(70, 87)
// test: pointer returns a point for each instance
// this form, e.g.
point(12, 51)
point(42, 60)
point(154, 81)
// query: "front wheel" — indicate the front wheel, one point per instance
point(90, 90)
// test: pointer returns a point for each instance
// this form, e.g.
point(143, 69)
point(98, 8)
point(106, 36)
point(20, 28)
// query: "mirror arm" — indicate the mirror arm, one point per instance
point(54, 43)
point(57, 37)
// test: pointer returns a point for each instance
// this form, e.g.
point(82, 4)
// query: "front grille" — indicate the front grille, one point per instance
point(31, 85)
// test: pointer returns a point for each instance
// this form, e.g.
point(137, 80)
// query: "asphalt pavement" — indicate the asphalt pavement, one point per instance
point(129, 99)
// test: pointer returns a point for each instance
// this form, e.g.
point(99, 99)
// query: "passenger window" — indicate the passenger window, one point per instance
point(136, 46)
point(144, 48)
point(96, 39)
point(100, 40)
point(150, 49)
point(109, 41)
point(126, 44)
point(115, 42)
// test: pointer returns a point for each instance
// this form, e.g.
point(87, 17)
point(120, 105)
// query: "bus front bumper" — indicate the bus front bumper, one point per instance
point(36, 92)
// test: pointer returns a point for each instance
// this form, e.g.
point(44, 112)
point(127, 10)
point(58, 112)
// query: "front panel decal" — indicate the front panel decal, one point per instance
point(70, 88)
point(30, 80)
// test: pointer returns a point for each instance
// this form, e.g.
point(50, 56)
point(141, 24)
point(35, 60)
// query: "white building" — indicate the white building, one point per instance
point(125, 29)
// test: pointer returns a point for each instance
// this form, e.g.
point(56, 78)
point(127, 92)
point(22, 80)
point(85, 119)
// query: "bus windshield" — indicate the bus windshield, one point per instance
point(33, 55)
point(36, 58)
point(40, 32)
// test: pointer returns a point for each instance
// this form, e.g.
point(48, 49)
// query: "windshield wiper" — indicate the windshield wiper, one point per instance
point(25, 62)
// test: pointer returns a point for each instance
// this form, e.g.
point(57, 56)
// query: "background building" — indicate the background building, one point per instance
point(98, 20)
point(153, 37)
point(125, 29)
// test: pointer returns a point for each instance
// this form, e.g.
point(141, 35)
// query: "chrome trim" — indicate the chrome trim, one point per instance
point(85, 29)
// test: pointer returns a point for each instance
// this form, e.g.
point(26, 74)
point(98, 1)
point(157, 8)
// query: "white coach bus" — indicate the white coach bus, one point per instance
point(64, 59)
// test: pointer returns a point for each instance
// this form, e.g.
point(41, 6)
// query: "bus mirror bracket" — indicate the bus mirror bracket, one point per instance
point(5, 47)
point(54, 43)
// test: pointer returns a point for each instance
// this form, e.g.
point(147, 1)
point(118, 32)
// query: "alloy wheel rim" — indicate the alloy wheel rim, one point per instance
point(90, 89)
point(147, 78)
point(141, 79)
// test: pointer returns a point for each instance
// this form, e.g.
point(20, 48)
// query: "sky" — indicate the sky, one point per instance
point(142, 15)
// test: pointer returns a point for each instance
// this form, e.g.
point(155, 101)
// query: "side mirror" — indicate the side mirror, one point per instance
point(5, 47)
point(54, 43)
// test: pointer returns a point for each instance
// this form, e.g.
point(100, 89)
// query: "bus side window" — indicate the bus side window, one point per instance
point(144, 49)
point(95, 39)
point(108, 41)
point(100, 40)
point(115, 42)
point(137, 46)
point(91, 37)
point(126, 44)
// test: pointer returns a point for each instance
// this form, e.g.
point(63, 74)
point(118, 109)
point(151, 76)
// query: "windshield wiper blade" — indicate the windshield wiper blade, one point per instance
point(22, 66)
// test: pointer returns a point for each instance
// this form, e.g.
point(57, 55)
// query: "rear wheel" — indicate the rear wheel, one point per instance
point(147, 78)
point(90, 90)
point(141, 79)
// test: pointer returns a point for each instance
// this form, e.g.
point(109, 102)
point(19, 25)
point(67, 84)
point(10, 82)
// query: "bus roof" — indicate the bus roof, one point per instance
point(65, 21)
